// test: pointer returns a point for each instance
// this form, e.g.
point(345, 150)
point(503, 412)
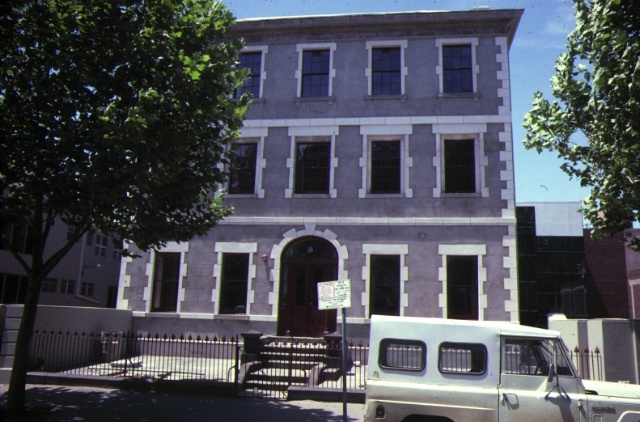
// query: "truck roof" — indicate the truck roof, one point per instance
point(495, 327)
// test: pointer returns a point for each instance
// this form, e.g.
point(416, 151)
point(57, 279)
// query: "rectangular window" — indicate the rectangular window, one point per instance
point(385, 71)
point(534, 357)
point(101, 245)
point(462, 358)
point(385, 285)
point(253, 62)
point(13, 288)
point(19, 237)
point(315, 73)
point(312, 169)
point(385, 167)
point(112, 297)
point(457, 73)
point(165, 282)
point(86, 289)
point(235, 278)
point(67, 287)
point(459, 166)
point(242, 177)
point(89, 240)
point(462, 287)
point(50, 285)
point(407, 355)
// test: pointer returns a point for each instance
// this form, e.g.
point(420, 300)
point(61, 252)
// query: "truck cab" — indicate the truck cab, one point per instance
point(438, 370)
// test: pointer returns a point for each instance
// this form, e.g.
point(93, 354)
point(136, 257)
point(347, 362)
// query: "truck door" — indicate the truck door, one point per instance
point(527, 392)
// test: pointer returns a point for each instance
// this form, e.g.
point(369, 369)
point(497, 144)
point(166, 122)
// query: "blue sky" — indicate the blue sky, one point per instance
point(540, 38)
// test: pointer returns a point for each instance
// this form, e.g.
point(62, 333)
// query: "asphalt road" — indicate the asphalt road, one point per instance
point(57, 403)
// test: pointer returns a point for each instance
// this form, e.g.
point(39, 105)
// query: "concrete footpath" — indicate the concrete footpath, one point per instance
point(58, 403)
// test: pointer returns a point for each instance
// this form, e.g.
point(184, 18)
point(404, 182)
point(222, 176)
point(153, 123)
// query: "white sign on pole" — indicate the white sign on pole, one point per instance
point(334, 294)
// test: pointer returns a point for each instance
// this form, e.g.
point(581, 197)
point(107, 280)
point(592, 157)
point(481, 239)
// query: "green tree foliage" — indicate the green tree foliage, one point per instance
point(114, 116)
point(594, 124)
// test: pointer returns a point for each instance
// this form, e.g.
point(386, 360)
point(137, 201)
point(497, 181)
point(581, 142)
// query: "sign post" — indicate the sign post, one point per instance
point(334, 295)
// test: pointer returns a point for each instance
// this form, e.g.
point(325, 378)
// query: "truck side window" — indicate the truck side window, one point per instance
point(462, 358)
point(528, 356)
point(406, 355)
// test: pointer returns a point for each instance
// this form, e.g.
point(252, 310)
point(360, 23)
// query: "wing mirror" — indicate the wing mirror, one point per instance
point(552, 373)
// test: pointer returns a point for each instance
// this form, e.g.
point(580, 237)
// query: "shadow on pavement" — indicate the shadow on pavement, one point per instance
point(47, 403)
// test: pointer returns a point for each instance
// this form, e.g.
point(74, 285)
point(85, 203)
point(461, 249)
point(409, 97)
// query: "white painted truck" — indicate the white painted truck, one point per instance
point(438, 370)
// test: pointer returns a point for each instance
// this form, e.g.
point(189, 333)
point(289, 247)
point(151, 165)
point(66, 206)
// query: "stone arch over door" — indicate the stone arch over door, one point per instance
point(295, 273)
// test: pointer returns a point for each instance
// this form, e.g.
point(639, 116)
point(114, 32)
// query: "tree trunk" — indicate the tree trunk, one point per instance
point(18, 381)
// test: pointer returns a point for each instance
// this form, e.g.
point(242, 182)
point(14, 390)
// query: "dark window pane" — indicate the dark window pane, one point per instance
point(165, 282)
point(385, 285)
point(457, 74)
point(253, 62)
point(315, 73)
point(462, 287)
point(235, 276)
point(385, 75)
point(385, 167)
point(459, 166)
point(242, 177)
point(312, 167)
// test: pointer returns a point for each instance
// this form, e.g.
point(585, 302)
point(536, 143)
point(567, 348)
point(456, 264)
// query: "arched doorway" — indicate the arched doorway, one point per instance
point(306, 262)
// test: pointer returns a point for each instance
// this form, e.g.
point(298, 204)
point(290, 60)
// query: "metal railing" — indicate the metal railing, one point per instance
point(589, 363)
point(130, 355)
point(268, 368)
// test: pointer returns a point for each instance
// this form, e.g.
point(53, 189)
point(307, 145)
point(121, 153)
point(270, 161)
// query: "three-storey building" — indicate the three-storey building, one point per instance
point(378, 149)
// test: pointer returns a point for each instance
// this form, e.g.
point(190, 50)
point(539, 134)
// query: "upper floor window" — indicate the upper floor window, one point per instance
point(386, 69)
point(457, 75)
point(315, 73)
point(253, 62)
point(385, 167)
point(50, 285)
point(101, 245)
point(457, 68)
point(313, 161)
point(242, 177)
point(315, 70)
point(67, 286)
point(459, 166)
point(17, 236)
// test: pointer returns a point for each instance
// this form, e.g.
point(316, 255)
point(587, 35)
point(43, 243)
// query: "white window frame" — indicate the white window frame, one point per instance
point(445, 132)
point(477, 250)
point(233, 247)
point(254, 135)
point(300, 49)
point(87, 289)
point(312, 134)
point(386, 133)
point(182, 248)
point(384, 249)
point(404, 71)
point(264, 49)
point(475, 68)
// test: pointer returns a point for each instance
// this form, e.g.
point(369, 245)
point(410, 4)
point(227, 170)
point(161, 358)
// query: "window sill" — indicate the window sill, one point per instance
point(299, 100)
point(401, 98)
point(473, 95)
point(240, 195)
point(385, 195)
point(311, 195)
point(461, 195)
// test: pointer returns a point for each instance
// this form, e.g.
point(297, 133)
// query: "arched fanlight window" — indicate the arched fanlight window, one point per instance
point(311, 247)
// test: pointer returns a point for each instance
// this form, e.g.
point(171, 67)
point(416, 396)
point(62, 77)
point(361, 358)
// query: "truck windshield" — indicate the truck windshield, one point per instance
point(534, 357)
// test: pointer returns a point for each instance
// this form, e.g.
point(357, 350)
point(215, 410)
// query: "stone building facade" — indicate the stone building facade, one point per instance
point(378, 149)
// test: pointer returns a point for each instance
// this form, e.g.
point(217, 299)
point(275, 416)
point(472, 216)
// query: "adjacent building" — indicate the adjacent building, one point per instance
point(86, 276)
point(378, 149)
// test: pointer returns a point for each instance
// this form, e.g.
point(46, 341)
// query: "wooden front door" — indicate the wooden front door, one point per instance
point(304, 318)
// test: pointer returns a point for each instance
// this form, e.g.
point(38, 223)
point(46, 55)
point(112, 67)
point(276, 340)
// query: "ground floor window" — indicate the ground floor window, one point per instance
point(165, 282)
point(462, 287)
point(235, 278)
point(385, 285)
